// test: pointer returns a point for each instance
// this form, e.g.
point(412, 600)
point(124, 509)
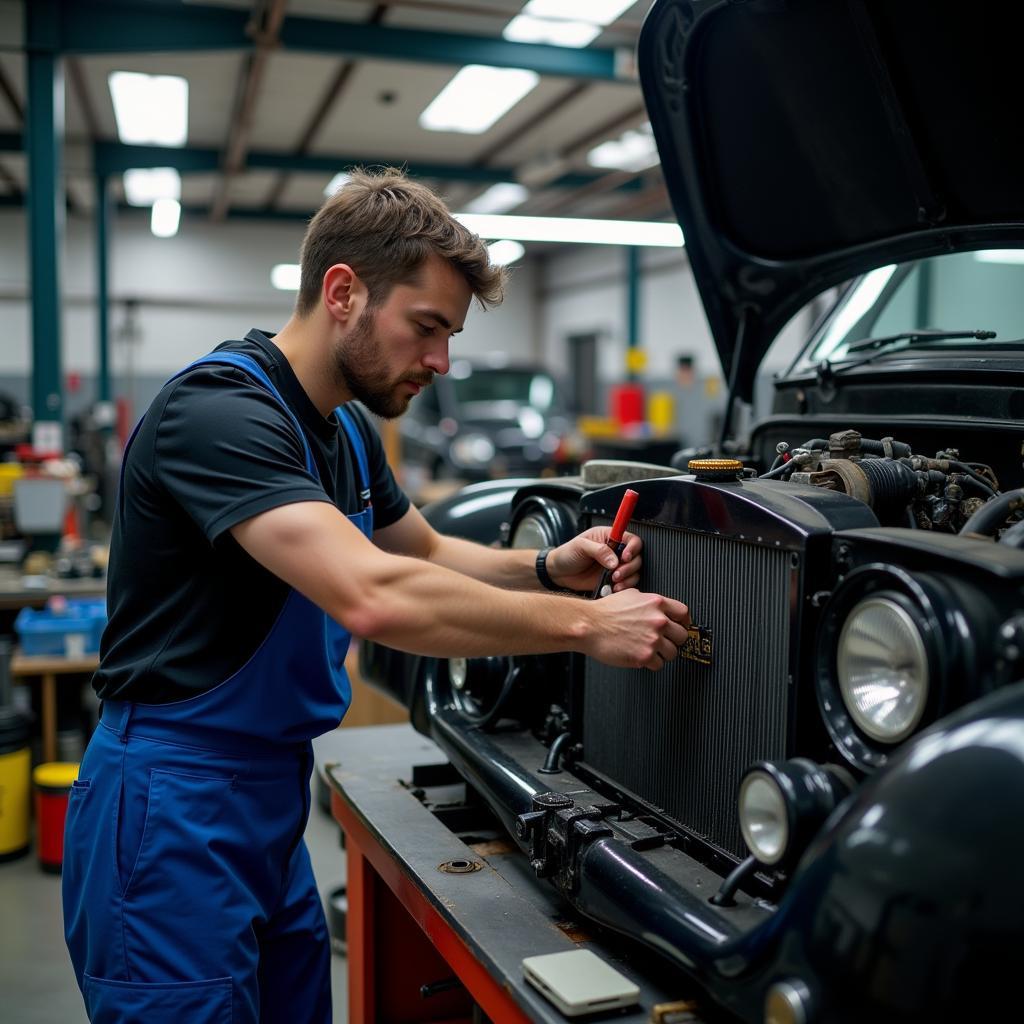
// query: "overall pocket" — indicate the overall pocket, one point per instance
point(185, 831)
point(128, 1002)
point(80, 844)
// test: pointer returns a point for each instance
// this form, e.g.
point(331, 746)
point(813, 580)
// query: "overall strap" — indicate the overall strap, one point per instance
point(355, 439)
point(249, 366)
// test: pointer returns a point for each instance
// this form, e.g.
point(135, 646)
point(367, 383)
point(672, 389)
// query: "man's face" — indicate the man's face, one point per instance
point(394, 350)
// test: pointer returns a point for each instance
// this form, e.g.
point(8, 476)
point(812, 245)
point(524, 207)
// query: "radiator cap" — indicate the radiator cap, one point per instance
point(716, 469)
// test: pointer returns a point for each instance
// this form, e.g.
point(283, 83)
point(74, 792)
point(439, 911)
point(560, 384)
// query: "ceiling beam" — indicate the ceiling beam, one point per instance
point(265, 29)
point(11, 95)
point(76, 76)
point(329, 98)
point(14, 189)
point(99, 26)
point(115, 158)
point(506, 14)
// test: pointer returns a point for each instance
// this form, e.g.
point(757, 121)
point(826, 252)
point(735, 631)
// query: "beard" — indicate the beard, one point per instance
point(360, 366)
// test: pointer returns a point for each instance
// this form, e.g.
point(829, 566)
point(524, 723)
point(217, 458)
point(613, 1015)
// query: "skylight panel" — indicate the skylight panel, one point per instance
point(150, 110)
point(597, 12)
point(506, 195)
point(526, 29)
point(143, 186)
point(476, 98)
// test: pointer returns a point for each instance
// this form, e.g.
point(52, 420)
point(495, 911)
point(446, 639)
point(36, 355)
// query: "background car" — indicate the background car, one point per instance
point(486, 420)
point(813, 813)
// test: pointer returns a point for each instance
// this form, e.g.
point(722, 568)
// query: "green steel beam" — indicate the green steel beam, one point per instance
point(632, 300)
point(111, 158)
point(109, 26)
point(103, 211)
point(45, 126)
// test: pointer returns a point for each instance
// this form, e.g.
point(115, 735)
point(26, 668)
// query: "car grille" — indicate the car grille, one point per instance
point(682, 738)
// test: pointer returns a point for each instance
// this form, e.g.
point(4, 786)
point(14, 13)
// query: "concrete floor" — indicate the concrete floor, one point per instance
point(37, 985)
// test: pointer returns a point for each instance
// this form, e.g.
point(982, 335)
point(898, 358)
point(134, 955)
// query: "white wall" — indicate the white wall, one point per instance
point(208, 283)
point(212, 282)
point(585, 290)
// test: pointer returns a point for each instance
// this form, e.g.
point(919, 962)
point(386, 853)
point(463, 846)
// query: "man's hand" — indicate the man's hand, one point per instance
point(578, 564)
point(635, 630)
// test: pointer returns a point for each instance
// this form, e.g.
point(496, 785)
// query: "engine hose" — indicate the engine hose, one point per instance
point(1013, 536)
point(985, 485)
point(777, 471)
point(896, 449)
point(994, 513)
point(892, 483)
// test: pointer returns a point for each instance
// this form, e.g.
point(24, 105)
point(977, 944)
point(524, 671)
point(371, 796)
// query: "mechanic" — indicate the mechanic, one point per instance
point(241, 562)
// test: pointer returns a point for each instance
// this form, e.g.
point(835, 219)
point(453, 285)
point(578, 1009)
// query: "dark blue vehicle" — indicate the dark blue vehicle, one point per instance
point(486, 420)
point(815, 814)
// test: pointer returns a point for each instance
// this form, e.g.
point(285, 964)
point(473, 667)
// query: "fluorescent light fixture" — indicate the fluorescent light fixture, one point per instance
point(633, 150)
point(505, 251)
point(286, 277)
point(524, 29)
point(150, 109)
point(337, 182)
point(476, 97)
point(597, 12)
point(143, 186)
point(165, 218)
point(573, 230)
point(1000, 256)
point(498, 198)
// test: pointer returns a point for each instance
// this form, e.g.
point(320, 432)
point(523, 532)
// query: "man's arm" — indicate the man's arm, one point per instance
point(575, 565)
point(417, 606)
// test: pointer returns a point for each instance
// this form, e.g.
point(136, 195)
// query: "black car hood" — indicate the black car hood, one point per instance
point(806, 141)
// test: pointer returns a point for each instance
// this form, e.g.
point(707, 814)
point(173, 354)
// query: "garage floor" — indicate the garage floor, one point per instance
point(37, 984)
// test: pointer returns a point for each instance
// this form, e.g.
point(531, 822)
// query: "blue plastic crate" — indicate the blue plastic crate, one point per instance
point(74, 630)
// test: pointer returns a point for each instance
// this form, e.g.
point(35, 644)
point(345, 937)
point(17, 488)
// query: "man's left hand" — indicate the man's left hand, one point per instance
point(578, 564)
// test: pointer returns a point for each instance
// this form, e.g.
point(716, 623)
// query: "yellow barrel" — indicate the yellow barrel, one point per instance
point(9, 472)
point(15, 784)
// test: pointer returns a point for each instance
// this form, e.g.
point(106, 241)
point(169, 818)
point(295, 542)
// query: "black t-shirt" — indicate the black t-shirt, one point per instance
point(187, 605)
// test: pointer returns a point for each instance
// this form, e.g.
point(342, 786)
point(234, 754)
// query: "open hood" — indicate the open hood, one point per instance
point(806, 141)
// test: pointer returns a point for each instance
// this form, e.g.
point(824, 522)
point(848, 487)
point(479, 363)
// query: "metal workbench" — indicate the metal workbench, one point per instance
point(420, 849)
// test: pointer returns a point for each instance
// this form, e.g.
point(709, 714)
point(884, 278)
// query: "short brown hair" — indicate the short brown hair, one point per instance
point(383, 225)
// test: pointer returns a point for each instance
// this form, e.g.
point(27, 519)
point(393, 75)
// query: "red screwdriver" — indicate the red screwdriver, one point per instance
point(615, 541)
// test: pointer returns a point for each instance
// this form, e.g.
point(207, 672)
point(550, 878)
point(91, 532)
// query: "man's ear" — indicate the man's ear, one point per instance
point(344, 294)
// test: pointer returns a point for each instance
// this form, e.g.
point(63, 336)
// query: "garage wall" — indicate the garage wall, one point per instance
point(174, 299)
point(585, 290)
point(190, 292)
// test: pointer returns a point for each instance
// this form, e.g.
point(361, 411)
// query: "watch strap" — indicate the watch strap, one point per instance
point(542, 570)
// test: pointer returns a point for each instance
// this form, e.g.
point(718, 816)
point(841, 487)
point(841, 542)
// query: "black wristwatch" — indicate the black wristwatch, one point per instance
point(542, 571)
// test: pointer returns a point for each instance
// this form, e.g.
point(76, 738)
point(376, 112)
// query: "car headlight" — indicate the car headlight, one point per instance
point(472, 449)
point(783, 804)
point(882, 669)
point(764, 819)
point(540, 522)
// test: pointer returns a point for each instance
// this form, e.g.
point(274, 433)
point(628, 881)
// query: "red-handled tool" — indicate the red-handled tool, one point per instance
point(615, 541)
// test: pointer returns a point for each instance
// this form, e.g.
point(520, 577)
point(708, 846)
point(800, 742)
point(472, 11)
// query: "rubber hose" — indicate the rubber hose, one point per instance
point(993, 513)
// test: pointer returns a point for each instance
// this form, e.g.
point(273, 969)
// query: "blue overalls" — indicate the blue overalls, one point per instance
point(188, 892)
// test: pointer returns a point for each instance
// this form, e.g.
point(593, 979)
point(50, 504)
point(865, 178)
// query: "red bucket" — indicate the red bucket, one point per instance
point(52, 787)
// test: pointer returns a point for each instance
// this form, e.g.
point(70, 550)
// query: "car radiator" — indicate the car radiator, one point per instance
point(682, 738)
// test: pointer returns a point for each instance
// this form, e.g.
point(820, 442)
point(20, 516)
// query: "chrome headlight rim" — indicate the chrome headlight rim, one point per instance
point(763, 779)
point(874, 580)
point(891, 605)
point(555, 521)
